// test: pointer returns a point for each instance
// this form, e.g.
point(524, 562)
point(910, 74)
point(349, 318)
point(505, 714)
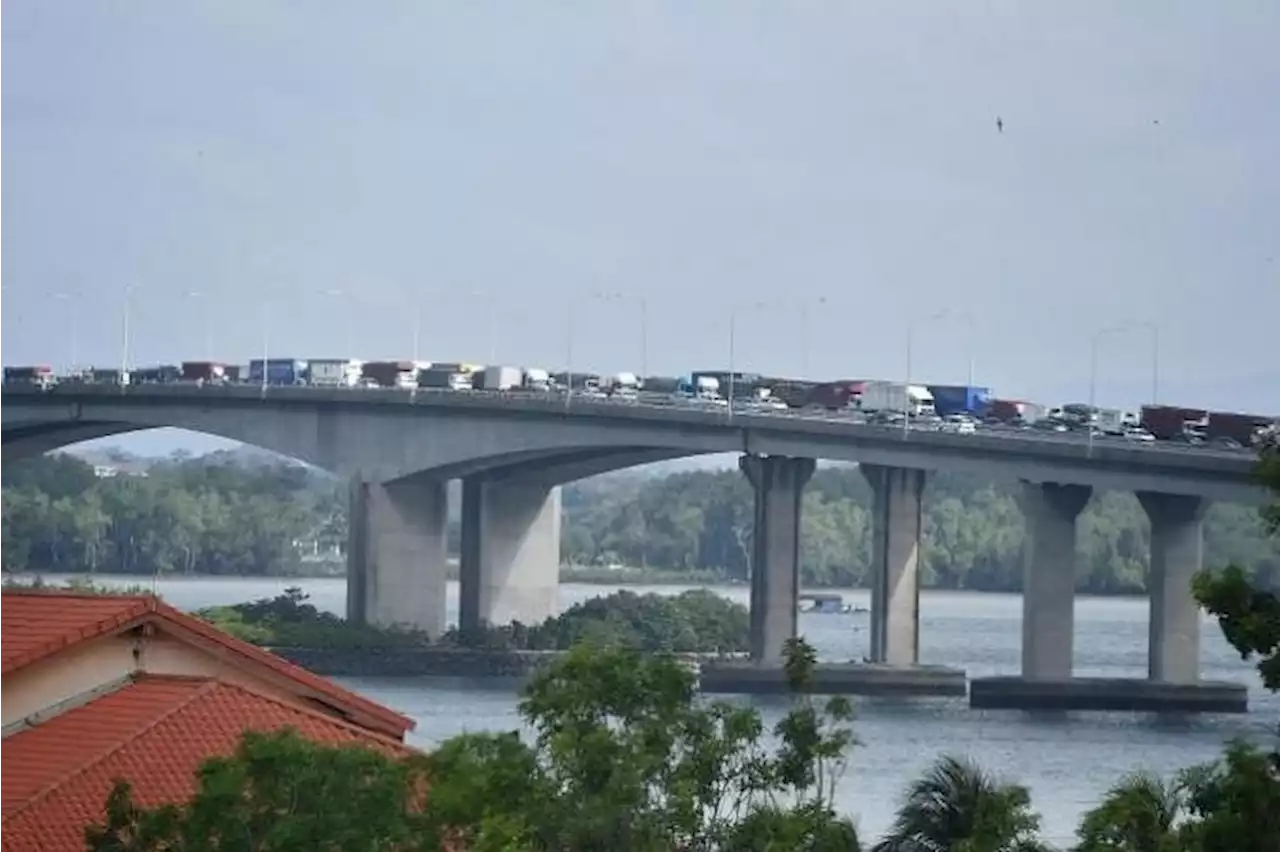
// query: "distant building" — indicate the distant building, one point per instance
point(99, 687)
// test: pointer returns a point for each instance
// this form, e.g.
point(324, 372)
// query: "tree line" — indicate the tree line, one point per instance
point(219, 515)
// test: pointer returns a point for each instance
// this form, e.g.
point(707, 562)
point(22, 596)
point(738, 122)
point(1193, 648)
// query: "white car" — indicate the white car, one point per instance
point(1141, 435)
point(960, 425)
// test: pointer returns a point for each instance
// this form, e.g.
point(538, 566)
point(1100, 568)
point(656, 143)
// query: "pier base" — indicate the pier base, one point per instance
point(1107, 693)
point(744, 677)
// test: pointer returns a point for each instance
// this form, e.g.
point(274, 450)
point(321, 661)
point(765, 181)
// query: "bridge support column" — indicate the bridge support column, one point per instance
point(396, 557)
point(1177, 541)
point(510, 566)
point(1049, 577)
point(895, 563)
point(779, 483)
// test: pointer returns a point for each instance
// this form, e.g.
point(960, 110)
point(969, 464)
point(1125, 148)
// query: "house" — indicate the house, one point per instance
point(100, 687)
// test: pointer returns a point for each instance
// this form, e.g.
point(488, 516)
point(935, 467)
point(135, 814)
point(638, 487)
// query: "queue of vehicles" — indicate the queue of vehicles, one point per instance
point(956, 408)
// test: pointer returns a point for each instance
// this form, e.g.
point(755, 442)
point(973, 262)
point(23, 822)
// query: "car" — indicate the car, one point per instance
point(1140, 435)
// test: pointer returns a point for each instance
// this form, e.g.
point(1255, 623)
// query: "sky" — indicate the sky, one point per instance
point(605, 185)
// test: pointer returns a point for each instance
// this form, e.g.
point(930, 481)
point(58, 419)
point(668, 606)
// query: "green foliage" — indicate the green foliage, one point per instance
point(185, 516)
point(1139, 814)
point(692, 622)
point(957, 806)
point(79, 585)
point(625, 757)
point(279, 793)
point(973, 531)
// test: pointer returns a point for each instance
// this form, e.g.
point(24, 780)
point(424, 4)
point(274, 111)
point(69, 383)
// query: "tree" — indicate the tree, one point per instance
point(1139, 814)
point(957, 807)
point(279, 793)
point(625, 757)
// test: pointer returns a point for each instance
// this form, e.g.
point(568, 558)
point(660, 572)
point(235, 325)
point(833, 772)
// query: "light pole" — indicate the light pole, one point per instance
point(911, 334)
point(568, 354)
point(73, 323)
point(124, 334)
point(266, 341)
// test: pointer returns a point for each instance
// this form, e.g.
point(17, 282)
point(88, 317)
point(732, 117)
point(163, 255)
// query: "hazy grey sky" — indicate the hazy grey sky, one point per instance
point(697, 154)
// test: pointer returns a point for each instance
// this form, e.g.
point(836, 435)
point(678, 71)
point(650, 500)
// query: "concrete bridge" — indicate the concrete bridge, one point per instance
point(398, 449)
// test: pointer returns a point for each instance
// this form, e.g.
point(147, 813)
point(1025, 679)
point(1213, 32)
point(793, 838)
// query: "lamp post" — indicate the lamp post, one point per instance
point(266, 341)
point(1096, 338)
point(124, 334)
point(912, 326)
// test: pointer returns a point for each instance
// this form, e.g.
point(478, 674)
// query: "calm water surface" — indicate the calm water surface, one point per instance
point(1067, 760)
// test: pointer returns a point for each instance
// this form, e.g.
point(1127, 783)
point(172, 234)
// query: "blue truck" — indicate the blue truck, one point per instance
point(280, 371)
point(960, 399)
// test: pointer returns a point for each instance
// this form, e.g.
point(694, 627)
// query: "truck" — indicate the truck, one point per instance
point(537, 380)
point(446, 377)
point(912, 400)
point(279, 371)
point(624, 385)
point(705, 388)
point(835, 396)
point(795, 393)
point(334, 372)
point(960, 399)
point(498, 378)
point(160, 374)
point(1015, 412)
point(41, 376)
point(661, 385)
point(390, 374)
point(743, 384)
point(1236, 427)
point(1173, 422)
point(204, 372)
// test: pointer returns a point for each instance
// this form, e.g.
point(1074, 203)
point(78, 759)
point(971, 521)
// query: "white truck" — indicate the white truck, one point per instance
point(537, 379)
point(706, 389)
point(912, 400)
point(499, 378)
point(334, 372)
point(624, 385)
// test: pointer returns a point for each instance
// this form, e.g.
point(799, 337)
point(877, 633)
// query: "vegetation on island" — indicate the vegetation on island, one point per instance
point(693, 622)
point(223, 514)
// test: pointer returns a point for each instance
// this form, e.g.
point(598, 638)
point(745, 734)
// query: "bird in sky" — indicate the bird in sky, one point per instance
point(999, 124)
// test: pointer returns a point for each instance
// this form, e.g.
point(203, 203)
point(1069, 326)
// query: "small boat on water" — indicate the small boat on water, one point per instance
point(827, 604)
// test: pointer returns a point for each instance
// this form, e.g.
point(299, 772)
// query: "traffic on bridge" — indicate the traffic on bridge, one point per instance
point(959, 409)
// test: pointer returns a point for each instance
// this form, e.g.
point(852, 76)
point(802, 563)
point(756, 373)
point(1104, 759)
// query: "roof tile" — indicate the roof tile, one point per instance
point(155, 732)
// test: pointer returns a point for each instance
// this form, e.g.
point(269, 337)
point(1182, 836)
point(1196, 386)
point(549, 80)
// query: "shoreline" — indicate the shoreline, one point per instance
point(602, 577)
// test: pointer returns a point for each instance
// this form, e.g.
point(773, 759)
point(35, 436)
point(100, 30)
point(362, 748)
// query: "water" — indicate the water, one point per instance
point(1068, 761)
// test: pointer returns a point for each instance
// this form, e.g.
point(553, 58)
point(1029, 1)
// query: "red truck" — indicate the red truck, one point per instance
point(1014, 411)
point(1234, 426)
point(1172, 422)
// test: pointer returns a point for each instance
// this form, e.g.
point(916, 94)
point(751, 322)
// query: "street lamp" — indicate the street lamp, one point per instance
point(946, 313)
point(266, 340)
point(1096, 338)
point(124, 333)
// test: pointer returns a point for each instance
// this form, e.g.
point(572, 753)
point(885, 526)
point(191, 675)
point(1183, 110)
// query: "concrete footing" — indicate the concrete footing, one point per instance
point(1123, 694)
point(510, 562)
point(750, 678)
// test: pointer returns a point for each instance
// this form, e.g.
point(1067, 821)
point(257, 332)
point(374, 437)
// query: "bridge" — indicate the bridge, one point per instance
point(512, 451)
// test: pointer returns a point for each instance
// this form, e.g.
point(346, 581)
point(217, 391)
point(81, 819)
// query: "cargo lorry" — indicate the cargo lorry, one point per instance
point(1236, 427)
point(40, 376)
point(204, 372)
point(1174, 422)
point(498, 378)
point(446, 377)
point(960, 399)
point(161, 374)
point(537, 380)
point(334, 372)
point(912, 400)
point(1015, 412)
point(835, 396)
point(624, 385)
point(278, 371)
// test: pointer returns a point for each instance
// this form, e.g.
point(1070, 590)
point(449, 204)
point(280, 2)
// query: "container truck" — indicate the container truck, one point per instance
point(1173, 422)
point(794, 392)
point(204, 372)
point(390, 374)
point(960, 399)
point(707, 389)
point(1012, 411)
point(334, 372)
point(913, 400)
point(161, 374)
point(498, 378)
point(537, 379)
point(41, 376)
point(279, 371)
point(447, 377)
point(1235, 426)
point(661, 385)
point(624, 385)
point(835, 396)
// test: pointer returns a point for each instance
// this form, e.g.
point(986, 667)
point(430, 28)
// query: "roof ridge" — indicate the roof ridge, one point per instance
point(132, 608)
point(52, 786)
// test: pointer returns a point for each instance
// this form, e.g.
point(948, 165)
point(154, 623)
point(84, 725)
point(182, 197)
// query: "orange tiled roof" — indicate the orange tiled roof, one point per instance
point(36, 624)
point(154, 732)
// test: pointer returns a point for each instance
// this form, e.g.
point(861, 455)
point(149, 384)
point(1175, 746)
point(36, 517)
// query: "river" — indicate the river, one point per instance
point(1067, 760)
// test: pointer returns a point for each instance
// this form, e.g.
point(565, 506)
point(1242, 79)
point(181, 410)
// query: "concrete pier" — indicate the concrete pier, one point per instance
point(1049, 577)
point(1177, 543)
point(510, 560)
point(895, 558)
point(775, 550)
point(1107, 693)
point(396, 553)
